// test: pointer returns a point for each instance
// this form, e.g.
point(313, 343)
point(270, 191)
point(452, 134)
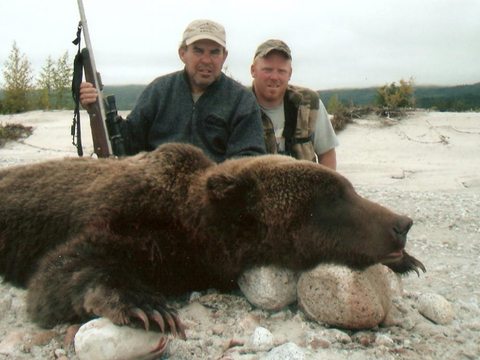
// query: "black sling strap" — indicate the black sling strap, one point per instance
point(76, 81)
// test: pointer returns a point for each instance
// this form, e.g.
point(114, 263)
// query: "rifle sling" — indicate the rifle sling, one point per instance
point(76, 81)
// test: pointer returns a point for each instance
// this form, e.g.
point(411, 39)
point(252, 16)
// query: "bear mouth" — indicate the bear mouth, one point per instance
point(393, 257)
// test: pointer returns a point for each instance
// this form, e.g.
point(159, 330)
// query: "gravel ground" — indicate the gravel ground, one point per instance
point(445, 237)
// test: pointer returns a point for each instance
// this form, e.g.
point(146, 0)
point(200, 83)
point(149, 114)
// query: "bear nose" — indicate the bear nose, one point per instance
point(401, 228)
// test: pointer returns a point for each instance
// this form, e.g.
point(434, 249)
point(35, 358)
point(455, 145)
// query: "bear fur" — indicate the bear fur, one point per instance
point(112, 237)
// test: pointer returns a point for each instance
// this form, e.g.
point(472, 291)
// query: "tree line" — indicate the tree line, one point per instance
point(51, 89)
point(390, 100)
point(22, 91)
point(436, 98)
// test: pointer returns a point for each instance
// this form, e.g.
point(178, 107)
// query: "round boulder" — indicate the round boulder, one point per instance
point(344, 298)
point(100, 339)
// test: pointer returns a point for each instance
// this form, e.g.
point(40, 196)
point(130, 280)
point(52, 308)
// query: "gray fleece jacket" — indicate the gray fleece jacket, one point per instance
point(225, 122)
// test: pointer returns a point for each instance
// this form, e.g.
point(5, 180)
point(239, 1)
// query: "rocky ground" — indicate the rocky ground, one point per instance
point(425, 166)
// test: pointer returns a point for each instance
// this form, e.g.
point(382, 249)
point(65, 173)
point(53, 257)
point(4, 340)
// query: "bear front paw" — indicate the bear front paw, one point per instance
point(133, 307)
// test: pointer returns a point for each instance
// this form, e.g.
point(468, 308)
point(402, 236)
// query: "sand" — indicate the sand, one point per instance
point(426, 166)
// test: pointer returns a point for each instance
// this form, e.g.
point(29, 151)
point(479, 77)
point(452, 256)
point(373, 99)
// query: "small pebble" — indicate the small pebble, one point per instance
point(436, 308)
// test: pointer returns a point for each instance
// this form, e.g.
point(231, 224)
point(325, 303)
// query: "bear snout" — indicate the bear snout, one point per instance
point(400, 229)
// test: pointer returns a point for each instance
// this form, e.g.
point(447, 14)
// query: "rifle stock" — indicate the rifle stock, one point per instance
point(96, 111)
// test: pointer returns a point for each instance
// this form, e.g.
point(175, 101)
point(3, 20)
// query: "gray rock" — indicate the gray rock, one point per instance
point(383, 340)
point(11, 342)
point(365, 338)
point(335, 336)
point(341, 297)
point(269, 287)
point(435, 308)
point(396, 282)
point(288, 351)
point(262, 339)
point(100, 339)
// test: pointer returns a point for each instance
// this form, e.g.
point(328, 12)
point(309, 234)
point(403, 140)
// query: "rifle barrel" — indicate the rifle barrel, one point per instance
point(99, 147)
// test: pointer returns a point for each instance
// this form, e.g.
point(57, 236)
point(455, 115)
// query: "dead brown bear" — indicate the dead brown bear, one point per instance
point(110, 237)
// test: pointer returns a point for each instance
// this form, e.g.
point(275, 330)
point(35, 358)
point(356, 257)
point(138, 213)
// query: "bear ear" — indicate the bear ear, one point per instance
point(228, 189)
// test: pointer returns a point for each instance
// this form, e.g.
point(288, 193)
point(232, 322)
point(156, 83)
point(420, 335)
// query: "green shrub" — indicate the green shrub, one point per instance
point(395, 96)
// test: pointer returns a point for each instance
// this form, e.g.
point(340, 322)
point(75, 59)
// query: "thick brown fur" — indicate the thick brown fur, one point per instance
point(111, 237)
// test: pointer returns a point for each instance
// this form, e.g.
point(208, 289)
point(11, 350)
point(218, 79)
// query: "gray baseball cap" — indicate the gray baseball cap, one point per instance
point(273, 44)
point(205, 29)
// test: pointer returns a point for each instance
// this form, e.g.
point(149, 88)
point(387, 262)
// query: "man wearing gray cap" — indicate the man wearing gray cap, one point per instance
point(295, 120)
point(198, 105)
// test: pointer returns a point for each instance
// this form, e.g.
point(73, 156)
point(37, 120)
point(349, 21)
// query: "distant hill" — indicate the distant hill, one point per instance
point(125, 95)
point(441, 98)
point(359, 97)
point(454, 98)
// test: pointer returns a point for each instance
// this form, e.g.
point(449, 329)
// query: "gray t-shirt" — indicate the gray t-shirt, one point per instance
point(277, 116)
point(324, 137)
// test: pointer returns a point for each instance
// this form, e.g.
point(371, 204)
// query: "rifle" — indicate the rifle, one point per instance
point(105, 125)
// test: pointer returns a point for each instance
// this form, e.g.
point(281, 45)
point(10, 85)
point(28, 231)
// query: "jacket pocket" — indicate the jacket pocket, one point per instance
point(216, 132)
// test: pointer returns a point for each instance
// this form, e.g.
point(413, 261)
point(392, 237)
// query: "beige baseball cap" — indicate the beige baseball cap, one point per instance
point(270, 45)
point(205, 29)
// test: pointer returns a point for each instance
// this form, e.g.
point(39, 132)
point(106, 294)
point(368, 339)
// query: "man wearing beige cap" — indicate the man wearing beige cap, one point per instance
point(198, 105)
point(295, 120)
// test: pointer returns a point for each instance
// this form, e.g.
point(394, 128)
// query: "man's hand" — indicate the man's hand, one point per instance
point(88, 95)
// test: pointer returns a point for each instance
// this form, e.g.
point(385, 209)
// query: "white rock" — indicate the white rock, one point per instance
point(396, 282)
point(288, 351)
point(11, 342)
point(60, 353)
point(341, 297)
point(383, 340)
point(436, 308)
point(335, 336)
point(269, 287)
point(100, 339)
point(473, 324)
point(262, 339)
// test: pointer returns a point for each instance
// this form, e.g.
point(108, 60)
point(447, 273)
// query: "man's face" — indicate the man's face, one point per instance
point(271, 75)
point(203, 62)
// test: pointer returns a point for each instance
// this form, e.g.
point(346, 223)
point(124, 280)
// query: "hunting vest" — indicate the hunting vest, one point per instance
point(301, 110)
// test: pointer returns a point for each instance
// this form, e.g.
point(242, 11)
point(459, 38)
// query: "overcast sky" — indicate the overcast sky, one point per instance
point(335, 43)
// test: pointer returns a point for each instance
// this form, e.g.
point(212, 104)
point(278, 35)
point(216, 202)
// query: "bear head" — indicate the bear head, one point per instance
point(297, 214)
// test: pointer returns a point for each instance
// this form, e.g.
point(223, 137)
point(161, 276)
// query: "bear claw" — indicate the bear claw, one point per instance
point(171, 323)
point(159, 320)
point(417, 264)
point(139, 313)
point(174, 323)
point(406, 264)
point(180, 327)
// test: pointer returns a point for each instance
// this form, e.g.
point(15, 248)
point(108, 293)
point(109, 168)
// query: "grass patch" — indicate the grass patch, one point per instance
point(14, 132)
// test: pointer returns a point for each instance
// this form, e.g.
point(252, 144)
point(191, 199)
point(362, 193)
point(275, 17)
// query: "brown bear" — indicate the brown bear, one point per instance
point(111, 237)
